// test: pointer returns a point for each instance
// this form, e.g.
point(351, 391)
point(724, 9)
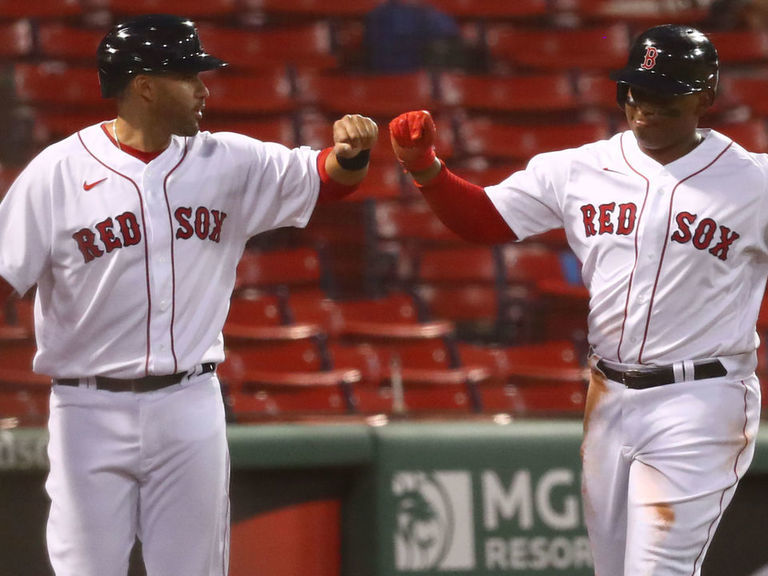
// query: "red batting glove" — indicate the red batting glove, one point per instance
point(413, 140)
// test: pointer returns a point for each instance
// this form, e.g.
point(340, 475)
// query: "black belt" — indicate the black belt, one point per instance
point(661, 375)
point(145, 384)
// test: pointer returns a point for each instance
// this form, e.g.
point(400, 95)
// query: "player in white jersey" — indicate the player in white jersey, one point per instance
point(670, 223)
point(132, 230)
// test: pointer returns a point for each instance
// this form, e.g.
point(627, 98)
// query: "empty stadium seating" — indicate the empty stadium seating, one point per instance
point(589, 48)
point(43, 9)
point(16, 39)
point(208, 9)
point(302, 45)
point(377, 95)
point(371, 307)
point(541, 92)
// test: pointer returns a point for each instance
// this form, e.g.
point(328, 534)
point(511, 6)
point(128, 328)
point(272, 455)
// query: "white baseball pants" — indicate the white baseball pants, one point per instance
point(660, 466)
point(153, 465)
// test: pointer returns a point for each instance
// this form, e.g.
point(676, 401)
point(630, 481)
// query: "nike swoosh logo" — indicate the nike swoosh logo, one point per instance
point(87, 186)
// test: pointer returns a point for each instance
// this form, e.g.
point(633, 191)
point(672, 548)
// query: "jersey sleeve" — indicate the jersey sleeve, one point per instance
point(281, 184)
point(26, 227)
point(530, 200)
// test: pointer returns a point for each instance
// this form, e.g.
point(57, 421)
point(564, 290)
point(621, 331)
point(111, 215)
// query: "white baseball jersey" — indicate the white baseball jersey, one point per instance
point(675, 257)
point(135, 262)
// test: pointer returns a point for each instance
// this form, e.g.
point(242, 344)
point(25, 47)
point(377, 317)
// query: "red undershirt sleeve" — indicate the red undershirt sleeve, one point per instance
point(466, 209)
point(330, 190)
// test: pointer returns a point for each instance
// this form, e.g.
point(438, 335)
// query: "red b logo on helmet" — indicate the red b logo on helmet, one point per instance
point(650, 58)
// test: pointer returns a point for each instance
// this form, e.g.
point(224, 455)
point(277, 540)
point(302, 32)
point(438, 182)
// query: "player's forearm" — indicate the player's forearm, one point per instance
point(462, 206)
point(336, 182)
point(347, 171)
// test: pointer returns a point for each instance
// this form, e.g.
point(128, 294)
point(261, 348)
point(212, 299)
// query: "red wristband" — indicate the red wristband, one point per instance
point(330, 190)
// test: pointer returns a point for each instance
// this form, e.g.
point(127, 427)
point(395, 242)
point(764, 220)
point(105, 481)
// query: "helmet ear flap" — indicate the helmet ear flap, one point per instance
point(622, 91)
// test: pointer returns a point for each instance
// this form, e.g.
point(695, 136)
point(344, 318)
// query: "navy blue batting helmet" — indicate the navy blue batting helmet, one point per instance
point(672, 60)
point(153, 43)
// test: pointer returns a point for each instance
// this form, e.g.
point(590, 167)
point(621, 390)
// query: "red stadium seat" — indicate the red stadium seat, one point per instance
point(561, 301)
point(412, 221)
point(384, 182)
point(463, 285)
point(538, 379)
point(597, 91)
point(485, 137)
point(253, 94)
point(469, 263)
point(437, 391)
point(295, 269)
point(488, 174)
point(394, 317)
point(275, 369)
point(23, 393)
point(601, 48)
point(300, 45)
point(400, 231)
point(60, 41)
point(16, 39)
point(312, 8)
point(262, 310)
point(492, 9)
point(751, 134)
point(642, 14)
point(424, 345)
point(377, 95)
point(260, 394)
point(58, 84)
point(14, 9)
point(740, 46)
point(292, 347)
point(278, 129)
point(522, 94)
point(748, 91)
point(208, 9)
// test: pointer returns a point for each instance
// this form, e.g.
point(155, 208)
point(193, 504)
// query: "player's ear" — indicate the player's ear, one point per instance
point(143, 86)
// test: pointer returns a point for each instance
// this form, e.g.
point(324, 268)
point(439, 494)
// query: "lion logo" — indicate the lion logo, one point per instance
point(424, 521)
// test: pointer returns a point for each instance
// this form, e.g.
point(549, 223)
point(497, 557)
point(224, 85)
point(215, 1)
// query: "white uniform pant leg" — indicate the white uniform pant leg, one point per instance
point(605, 476)
point(184, 497)
point(695, 446)
point(94, 453)
point(673, 456)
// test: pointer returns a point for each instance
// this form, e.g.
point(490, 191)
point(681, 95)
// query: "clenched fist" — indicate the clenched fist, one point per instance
point(352, 134)
point(413, 140)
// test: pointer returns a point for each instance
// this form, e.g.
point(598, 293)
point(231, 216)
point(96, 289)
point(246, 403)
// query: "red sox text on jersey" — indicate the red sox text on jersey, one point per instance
point(613, 218)
point(124, 230)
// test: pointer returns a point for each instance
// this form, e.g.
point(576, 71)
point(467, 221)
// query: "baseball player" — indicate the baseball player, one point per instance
point(131, 230)
point(670, 223)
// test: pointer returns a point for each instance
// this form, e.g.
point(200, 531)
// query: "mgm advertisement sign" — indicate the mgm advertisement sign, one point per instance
point(487, 522)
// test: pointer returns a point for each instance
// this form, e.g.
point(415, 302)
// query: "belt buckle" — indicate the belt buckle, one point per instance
point(631, 374)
